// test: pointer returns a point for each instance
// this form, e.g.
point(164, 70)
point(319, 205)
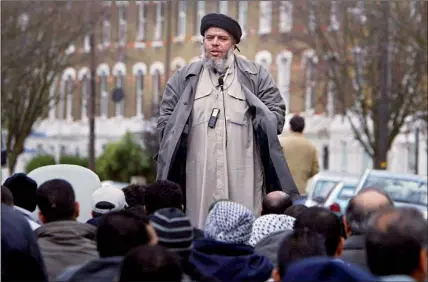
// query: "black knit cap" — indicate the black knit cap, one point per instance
point(221, 21)
point(173, 229)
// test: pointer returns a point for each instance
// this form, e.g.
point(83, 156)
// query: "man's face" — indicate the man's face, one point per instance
point(217, 43)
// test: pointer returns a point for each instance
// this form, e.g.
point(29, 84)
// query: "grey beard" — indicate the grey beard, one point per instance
point(217, 65)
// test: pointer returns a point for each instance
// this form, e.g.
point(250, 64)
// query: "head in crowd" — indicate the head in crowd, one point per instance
point(163, 194)
point(327, 224)
point(276, 202)
point(215, 203)
point(221, 34)
point(362, 206)
point(121, 231)
point(295, 210)
point(23, 190)
point(151, 263)
point(229, 222)
point(107, 199)
point(134, 195)
point(298, 245)
point(269, 224)
point(174, 230)
point(320, 269)
point(396, 243)
point(297, 124)
point(56, 201)
point(6, 196)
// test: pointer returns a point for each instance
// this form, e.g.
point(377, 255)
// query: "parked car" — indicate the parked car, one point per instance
point(404, 189)
point(339, 196)
point(320, 186)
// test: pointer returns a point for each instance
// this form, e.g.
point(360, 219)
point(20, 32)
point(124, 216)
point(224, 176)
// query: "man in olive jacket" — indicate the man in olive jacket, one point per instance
point(218, 126)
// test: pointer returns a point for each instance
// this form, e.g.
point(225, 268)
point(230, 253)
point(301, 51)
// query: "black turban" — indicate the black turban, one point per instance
point(223, 22)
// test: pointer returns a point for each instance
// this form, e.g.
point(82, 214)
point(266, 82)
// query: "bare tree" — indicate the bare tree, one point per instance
point(36, 36)
point(348, 37)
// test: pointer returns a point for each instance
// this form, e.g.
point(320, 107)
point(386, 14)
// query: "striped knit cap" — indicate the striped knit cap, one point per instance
point(174, 230)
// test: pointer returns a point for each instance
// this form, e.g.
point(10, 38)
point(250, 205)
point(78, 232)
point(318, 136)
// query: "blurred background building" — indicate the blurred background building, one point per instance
point(131, 53)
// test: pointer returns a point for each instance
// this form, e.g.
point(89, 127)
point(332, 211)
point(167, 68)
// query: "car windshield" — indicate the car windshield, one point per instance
point(347, 192)
point(401, 190)
point(323, 188)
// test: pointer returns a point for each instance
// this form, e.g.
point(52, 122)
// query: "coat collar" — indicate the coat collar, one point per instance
point(244, 65)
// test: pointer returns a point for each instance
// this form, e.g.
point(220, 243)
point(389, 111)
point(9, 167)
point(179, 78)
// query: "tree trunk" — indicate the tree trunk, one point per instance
point(11, 161)
point(380, 160)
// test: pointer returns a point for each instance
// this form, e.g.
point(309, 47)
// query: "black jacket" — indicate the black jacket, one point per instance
point(354, 251)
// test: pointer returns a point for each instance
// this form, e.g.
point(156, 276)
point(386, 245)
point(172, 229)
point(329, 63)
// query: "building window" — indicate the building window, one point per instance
point(222, 7)
point(264, 58)
point(344, 162)
point(325, 157)
point(284, 63)
point(309, 63)
point(312, 16)
point(242, 16)
point(286, 16)
point(86, 44)
point(181, 24)
point(106, 29)
point(85, 95)
point(159, 21)
point(156, 93)
point(411, 158)
point(120, 84)
point(104, 95)
point(140, 92)
point(122, 25)
point(142, 20)
point(200, 12)
point(334, 22)
point(265, 20)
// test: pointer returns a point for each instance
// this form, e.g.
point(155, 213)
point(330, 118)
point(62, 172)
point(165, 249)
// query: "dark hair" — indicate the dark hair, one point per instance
point(324, 222)
point(295, 210)
point(6, 196)
point(394, 240)
point(134, 194)
point(163, 194)
point(56, 200)
point(277, 204)
point(119, 232)
point(23, 190)
point(357, 213)
point(297, 124)
point(150, 263)
point(300, 244)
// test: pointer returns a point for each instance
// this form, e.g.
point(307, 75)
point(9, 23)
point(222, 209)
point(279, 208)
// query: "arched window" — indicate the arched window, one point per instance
point(84, 78)
point(181, 19)
point(286, 16)
point(177, 63)
point(66, 94)
point(120, 84)
point(103, 72)
point(156, 93)
point(284, 62)
point(69, 90)
point(309, 63)
point(265, 17)
point(264, 58)
point(139, 70)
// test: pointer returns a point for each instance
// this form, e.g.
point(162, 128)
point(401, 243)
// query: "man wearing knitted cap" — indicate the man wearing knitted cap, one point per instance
point(218, 126)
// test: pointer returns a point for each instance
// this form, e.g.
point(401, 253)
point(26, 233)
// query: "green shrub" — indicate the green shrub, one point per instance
point(74, 160)
point(39, 161)
point(123, 159)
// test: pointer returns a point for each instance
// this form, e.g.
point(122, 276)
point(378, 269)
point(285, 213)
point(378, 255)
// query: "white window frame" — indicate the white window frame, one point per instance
point(157, 35)
point(312, 24)
point(142, 21)
point(223, 6)
point(310, 60)
point(106, 30)
point(119, 73)
point(70, 93)
point(265, 17)
point(286, 16)
point(68, 76)
point(136, 70)
point(199, 14)
point(264, 58)
point(156, 72)
point(284, 62)
point(103, 72)
point(84, 76)
point(122, 23)
point(181, 21)
point(334, 24)
point(243, 16)
point(86, 44)
point(177, 63)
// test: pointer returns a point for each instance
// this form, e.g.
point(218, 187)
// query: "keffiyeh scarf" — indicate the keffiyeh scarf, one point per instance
point(268, 224)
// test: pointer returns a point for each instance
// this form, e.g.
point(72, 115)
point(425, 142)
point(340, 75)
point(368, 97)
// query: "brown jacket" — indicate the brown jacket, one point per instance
point(302, 158)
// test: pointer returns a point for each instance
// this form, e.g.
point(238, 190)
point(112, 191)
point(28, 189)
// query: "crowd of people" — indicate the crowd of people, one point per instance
point(141, 233)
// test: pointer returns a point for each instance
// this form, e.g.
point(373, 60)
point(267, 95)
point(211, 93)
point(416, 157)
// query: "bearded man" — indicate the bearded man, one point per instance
point(218, 126)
